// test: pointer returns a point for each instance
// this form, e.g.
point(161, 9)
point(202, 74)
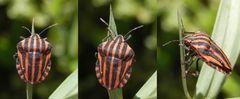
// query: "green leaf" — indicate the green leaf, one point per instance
point(112, 24)
point(29, 89)
point(149, 89)
point(115, 93)
point(226, 34)
point(68, 89)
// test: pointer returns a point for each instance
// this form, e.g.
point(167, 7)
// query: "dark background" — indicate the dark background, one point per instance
point(63, 37)
point(128, 14)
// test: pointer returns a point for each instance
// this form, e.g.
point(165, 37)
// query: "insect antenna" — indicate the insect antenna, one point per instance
point(170, 42)
point(47, 28)
point(128, 33)
point(26, 29)
point(107, 25)
point(104, 22)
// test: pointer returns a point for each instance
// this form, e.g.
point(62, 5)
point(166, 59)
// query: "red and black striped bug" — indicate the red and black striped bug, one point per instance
point(33, 57)
point(114, 60)
point(200, 45)
point(204, 48)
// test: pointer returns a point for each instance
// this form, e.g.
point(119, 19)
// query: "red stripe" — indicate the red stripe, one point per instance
point(34, 59)
point(26, 59)
point(111, 64)
point(119, 66)
point(40, 61)
point(105, 63)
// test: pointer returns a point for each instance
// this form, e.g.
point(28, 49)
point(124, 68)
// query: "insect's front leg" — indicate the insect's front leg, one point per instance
point(105, 38)
point(189, 59)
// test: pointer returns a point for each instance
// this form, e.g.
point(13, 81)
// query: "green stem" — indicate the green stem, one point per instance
point(115, 94)
point(182, 53)
point(29, 91)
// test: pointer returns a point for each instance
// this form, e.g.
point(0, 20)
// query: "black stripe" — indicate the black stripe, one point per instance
point(206, 45)
point(105, 48)
point(43, 58)
point(103, 54)
point(30, 59)
point(24, 56)
point(116, 62)
point(115, 70)
point(37, 59)
point(220, 53)
point(118, 48)
point(123, 50)
point(129, 70)
point(26, 44)
point(130, 55)
point(110, 53)
point(123, 62)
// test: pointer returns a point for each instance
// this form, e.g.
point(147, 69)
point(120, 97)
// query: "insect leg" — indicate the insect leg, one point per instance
point(15, 56)
point(21, 37)
point(45, 39)
point(196, 73)
point(104, 39)
point(190, 57)
point(96, 54)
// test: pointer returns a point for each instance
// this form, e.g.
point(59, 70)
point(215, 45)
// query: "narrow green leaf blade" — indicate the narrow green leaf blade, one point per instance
point(226, 34)
point(68, 89)
point(112, 24)
point(149, 89)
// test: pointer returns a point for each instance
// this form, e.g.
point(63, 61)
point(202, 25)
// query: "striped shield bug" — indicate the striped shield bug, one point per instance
point(207, 50)
point(33, 57)
point(114, 59)
point(201, 46)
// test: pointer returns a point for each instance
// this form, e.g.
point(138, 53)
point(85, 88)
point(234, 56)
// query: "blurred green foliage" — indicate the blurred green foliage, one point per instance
point(197, 16)
point(128, 14)
point(63, 37)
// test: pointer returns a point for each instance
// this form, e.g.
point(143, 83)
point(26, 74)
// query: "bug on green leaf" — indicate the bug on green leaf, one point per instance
point(33, 57)
point(204, 48)
point(114, 59)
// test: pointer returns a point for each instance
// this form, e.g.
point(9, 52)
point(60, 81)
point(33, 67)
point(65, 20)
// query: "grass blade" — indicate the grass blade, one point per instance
point(68, 89)
point(112, 24)
point(149, 89)
point(226, 34)
point(182, 56)
point(29, 88)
